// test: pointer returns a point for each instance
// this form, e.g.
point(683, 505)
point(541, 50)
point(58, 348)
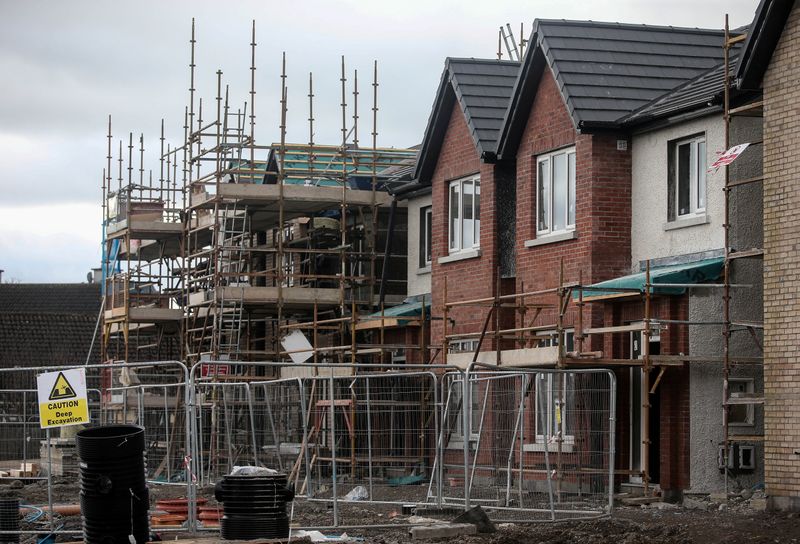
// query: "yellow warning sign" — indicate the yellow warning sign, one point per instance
point(62, 389)
point(62, 398)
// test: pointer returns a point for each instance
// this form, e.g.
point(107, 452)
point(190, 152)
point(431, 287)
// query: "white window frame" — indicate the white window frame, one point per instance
point(697, 172)
point(457, 433)
point(570, 200)
point(552, 338)
point(455, 236)
point(749, 389)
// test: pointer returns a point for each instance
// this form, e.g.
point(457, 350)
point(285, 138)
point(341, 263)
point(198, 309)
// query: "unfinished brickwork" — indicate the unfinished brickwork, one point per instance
point(781, 262)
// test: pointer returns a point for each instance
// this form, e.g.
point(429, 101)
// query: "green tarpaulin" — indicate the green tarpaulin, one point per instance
point(694, 272)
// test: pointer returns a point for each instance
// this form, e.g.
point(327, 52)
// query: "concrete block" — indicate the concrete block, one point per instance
point(758, 504)
point(693, 504)
point(718, 497)
point(639, 501)
point(443, 530)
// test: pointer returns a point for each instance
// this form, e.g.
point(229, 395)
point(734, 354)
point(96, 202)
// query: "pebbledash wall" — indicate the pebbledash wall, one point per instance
point(653, 237)
point(781, 265)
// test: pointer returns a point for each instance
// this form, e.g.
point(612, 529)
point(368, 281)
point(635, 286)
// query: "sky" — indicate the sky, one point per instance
point(67, 65)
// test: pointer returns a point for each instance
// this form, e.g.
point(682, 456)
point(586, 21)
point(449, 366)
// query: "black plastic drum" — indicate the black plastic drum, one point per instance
point(9, 519)
point(254, 506)
point(114, 496)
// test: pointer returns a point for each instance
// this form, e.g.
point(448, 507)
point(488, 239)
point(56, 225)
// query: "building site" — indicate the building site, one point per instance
point(565, 313)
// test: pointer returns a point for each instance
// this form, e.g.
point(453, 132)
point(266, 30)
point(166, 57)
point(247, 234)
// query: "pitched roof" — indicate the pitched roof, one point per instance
point(702, 93)
point(50, 298)
point(605, 71)
point(482, 89)
point(48, 323)
point(40, 339)
point(765, 31)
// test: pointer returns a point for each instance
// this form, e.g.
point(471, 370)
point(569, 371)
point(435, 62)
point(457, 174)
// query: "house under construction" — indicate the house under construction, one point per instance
point(235, 246)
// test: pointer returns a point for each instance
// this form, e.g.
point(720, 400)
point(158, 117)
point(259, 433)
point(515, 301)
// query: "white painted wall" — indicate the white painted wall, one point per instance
point(419, 280)
point(649, 239)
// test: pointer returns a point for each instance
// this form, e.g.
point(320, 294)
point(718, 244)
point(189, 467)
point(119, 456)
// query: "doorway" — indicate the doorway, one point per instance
point(638, 394)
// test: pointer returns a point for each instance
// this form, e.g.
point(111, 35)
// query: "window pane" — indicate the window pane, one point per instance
point(701, 174)
point(477, 405)
point(684, 179)
point(468, 232)
point(559, 192)
point(571, 191)
point(543, 405)
point(477, 235)
point(454, 215)
point(543, 195)
point(428, 235)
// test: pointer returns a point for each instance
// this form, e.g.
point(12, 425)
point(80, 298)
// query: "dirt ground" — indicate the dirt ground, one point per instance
point(735, 522)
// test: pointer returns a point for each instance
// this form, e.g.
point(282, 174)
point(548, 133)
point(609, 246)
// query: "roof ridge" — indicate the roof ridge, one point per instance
point(477, 60)
point(638, 26)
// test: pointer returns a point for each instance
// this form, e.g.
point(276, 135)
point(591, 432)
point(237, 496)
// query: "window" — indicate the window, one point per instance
point(555, 192)
point(456, 393)
point(688, 178)
point(555, 401)
point(465, 214)
point(740, 415)
point(551, 339)
point(425, 232)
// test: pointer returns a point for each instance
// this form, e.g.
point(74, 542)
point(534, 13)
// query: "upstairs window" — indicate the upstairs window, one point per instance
point(425, 233)
point(464, 214)
point(687, 183)
point(555, 192)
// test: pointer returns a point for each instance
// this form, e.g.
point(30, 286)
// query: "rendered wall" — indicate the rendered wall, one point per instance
point(419, 279)
point(650, 239)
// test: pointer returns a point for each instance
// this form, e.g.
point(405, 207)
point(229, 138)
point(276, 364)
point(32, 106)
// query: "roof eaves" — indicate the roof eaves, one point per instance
point(765, 31)
point(424, 169)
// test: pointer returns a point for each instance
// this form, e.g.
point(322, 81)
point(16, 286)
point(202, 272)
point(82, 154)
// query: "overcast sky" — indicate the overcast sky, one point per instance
point(66, 65)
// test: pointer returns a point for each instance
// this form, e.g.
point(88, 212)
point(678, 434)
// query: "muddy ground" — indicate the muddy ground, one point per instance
point(734, 522)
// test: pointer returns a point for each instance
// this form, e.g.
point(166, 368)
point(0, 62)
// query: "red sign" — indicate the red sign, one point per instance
point(214, 369)
point(729, 156)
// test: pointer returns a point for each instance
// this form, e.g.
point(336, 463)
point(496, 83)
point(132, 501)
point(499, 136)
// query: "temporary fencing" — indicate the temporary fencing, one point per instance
point(525, 444)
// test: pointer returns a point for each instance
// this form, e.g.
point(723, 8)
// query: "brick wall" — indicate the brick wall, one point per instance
point(601, 249)
point(781, 264)
point(470, 278)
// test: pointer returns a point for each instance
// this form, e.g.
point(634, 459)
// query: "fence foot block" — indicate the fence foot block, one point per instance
point(443, 530)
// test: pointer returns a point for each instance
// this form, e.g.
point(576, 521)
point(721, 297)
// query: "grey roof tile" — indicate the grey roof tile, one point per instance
point(614, 50)
point(482, 88)
point(65, 298)
point(699, 92)
point(606, 71)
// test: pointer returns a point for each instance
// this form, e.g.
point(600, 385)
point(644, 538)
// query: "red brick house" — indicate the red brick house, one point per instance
point(458, 161)
point(555, 201)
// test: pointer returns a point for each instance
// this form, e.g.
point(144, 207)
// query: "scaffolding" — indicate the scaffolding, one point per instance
point(142, 248)
point(256, 241)
point(750, 107)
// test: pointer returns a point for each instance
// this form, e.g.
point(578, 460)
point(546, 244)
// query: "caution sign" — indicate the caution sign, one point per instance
point(62, 398)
